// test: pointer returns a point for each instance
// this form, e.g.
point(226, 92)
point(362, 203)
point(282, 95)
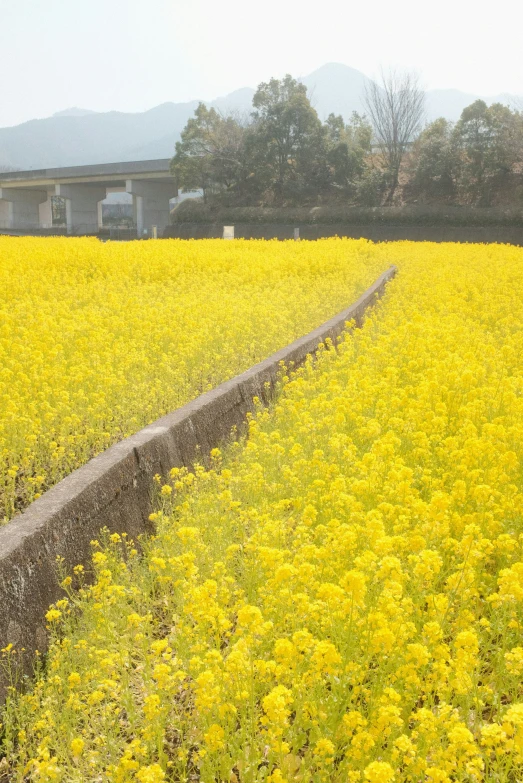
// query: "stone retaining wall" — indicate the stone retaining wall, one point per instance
point(114, 490)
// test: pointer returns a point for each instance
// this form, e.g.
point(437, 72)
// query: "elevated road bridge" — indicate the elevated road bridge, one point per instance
point(26, 196)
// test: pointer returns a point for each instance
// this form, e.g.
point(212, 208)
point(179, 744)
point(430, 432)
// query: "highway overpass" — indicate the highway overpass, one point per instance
point(25, 196)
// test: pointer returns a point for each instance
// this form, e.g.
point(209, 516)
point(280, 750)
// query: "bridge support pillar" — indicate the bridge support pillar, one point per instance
point(81, 207)
point(19, 208)
point(151, 204)
point(46, 213)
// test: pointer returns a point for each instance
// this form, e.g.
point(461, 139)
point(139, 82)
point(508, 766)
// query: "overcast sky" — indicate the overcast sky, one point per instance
point(131, 55)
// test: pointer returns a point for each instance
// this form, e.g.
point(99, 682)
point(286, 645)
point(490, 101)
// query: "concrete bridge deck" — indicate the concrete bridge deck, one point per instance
point(26, 196)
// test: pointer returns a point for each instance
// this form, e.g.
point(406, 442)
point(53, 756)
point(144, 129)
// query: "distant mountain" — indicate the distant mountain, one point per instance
point(237, 101)
point(74, 111)
point(93, 138)
point(336, 88)
point(450, 103)
point(79, 136)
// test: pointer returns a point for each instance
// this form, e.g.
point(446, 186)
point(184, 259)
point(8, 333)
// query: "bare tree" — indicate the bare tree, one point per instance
point(514, 102)
point(396, 107)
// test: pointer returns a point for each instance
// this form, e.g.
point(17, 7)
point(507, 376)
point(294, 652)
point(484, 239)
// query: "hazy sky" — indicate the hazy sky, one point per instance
point(131, 55)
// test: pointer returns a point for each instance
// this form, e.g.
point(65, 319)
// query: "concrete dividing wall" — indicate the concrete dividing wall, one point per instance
point(81, 206)
point(512, 235)
point(150, 204)
point(20, 207)
point(115, 489)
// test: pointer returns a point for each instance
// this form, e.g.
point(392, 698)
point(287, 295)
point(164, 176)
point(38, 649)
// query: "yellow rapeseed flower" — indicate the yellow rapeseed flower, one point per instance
point(339, 597)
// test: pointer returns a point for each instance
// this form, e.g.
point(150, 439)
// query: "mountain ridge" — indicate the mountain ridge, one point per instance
point(77, 136)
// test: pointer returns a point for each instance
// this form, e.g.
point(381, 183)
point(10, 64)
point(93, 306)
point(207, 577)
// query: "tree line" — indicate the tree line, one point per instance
point(283, 154)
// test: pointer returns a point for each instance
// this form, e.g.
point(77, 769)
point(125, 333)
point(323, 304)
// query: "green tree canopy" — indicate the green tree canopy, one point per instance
point(348, 145)
point(287, 138)
point(490, 142)
point(283, 153)
point(211, 153)
point(435, 163)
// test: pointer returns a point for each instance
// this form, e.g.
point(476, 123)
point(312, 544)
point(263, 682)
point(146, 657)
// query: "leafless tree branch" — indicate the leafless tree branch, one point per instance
point(396, 108)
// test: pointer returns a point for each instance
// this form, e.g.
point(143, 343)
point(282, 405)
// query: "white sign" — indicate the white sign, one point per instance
point(228, 232)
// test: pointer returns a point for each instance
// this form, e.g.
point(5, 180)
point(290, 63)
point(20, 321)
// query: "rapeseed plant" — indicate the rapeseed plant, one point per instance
point(98, 340)
point(340, 598)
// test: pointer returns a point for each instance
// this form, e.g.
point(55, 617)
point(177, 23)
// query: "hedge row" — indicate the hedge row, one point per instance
point(195, 211)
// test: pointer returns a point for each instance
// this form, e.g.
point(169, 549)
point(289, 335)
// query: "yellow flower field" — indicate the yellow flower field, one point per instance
point(341, 597)
point(98, 340)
